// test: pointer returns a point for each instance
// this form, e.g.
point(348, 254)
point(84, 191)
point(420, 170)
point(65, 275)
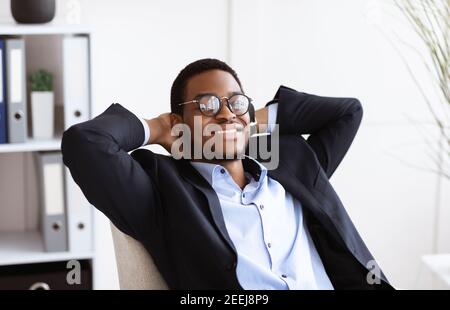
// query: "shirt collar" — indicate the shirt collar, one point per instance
point(251, 166)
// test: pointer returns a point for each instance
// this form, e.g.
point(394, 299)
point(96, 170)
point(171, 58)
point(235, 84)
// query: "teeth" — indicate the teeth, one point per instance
point(227, 131)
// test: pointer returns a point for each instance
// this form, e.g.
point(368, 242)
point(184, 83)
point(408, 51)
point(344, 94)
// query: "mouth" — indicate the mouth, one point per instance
point(229, 133)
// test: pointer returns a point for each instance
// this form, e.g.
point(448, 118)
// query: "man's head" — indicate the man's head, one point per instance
point(202, 79)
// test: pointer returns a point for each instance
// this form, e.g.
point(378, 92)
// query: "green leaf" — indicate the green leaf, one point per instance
point(41, 80)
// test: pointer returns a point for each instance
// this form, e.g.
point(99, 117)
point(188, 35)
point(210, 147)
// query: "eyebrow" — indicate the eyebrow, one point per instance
point(229, 94)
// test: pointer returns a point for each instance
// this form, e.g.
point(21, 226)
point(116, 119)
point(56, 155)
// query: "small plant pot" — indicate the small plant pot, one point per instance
point(43, 115)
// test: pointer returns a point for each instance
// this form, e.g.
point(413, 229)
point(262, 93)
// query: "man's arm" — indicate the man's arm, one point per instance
point(96, 153)
point(331, 123)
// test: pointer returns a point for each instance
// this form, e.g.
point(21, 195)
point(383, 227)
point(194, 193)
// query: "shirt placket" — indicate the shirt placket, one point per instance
point(265, 204)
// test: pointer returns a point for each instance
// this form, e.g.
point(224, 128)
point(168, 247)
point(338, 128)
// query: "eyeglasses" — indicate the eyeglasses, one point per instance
point(210, 105)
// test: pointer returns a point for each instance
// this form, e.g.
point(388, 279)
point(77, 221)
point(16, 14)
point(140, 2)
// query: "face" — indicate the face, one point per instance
point(226, 132)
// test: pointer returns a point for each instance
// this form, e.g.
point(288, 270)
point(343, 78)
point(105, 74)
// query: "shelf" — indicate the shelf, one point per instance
point(17, 248)
point(13, 28)
point(32, 146)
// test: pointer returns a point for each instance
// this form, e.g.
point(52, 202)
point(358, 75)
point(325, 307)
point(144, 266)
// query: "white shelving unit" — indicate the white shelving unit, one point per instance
point(32, 146)
point(25, 246)
point(12, 28)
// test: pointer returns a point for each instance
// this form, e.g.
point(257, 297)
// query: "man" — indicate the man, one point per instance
point(228, 222)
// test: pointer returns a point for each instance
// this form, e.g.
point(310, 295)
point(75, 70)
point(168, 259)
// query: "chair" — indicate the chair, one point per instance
point(135, 266)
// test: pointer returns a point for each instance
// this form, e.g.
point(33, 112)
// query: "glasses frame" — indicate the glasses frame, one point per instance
point(196, 100)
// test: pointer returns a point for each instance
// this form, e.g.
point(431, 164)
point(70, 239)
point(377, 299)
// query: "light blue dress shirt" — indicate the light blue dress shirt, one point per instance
point(266, 225)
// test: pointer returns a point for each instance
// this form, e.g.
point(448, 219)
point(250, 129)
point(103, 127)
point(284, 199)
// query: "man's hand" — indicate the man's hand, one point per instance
point(261, 116)
point(160, 130)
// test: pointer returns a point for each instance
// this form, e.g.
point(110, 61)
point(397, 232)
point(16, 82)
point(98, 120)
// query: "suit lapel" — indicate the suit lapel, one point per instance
point(190, 174)
point(299, 191)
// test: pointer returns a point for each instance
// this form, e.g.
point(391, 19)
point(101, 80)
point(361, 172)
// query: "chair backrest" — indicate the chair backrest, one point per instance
point(135, 266)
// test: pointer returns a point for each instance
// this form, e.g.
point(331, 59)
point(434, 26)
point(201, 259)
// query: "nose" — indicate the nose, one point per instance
point(225, 113)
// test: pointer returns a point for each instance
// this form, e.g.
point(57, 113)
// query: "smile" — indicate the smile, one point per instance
point(229, 131)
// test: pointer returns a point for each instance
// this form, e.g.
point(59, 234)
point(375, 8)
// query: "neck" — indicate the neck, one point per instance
point(234, 167)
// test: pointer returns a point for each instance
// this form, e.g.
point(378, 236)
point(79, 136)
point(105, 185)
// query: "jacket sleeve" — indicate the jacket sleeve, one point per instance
point(96, 153)
point(331, 123)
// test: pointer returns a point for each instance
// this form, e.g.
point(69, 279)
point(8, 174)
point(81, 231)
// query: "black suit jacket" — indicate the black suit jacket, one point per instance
point(174, 212)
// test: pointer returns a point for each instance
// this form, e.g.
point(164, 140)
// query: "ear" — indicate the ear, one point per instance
point(175, 119)
point(251, 112)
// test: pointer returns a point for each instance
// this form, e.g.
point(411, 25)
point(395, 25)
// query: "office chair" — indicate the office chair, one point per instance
point(135, 266)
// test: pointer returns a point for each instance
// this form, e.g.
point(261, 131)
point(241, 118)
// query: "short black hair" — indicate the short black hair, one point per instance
point(178, 91)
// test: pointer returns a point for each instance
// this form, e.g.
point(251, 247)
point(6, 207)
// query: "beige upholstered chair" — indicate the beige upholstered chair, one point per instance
point(134, 264)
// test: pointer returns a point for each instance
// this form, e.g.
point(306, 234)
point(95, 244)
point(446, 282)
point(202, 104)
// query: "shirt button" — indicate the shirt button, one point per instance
point(243, 195)
point(269, 245)
point(284, 276)
point(261, 207)
point(222, 171)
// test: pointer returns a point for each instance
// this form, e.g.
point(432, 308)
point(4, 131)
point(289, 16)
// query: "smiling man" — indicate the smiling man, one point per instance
point(228, 222)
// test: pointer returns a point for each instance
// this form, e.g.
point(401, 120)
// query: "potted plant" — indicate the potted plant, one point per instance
point(430, 21)
point(42, 104)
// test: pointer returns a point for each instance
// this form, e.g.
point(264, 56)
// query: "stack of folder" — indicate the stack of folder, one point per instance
point(66, 215)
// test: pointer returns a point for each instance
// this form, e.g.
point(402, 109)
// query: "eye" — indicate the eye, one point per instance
point(239, 104)
point(209, 105)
